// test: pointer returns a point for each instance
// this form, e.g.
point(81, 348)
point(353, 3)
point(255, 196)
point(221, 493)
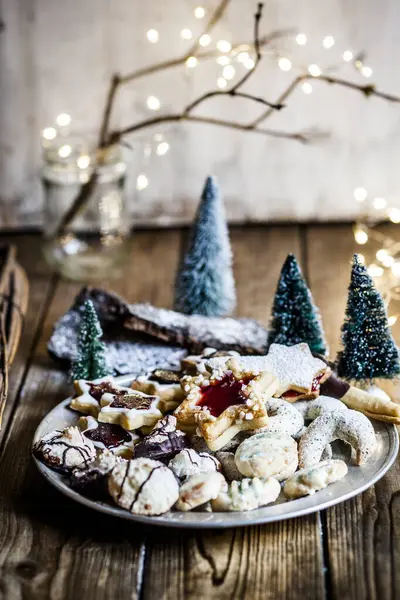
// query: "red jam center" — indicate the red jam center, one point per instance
point(314, 388)
point(223, 393)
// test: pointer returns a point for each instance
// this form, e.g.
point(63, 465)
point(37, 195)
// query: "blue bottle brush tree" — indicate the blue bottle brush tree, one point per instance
point(205, 283)
point(295, 318)
point(90, 360)
point(369, 350)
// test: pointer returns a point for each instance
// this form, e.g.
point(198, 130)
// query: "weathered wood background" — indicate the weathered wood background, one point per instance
point(58, 56)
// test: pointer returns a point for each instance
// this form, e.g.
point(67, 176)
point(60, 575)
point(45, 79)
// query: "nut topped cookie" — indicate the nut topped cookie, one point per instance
point(224, 402)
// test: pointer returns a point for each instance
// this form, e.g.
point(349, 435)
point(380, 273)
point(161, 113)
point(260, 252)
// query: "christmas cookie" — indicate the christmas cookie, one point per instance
point(349, 426)
point(166, 387)
point(283, 417)
point(311, 409)
point(247, 494)
point(228, 466)
point(64, 450)
point(163, 442)
point(108, 436)
point(196, 363)
point(91, 477)
point(131, 410)
point(225, 402)
point(88, 394)
point(199, 489)
point(312, 479)
point(188, 462)
point(267, 455)
point(143, 486)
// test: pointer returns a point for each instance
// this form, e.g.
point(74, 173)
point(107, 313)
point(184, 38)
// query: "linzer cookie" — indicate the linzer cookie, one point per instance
point(196, 332)
point(107, 436)
point(163, 442)
point(131, 411)
point(164, 384)
point(88, 394)
point(225, 402)
point(64, 450)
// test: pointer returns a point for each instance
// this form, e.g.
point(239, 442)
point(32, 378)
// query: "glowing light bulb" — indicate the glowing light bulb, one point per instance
point(360, 194)
point(64, 151)
point(328, 42)
point(49, 133)
point(153, 103)
point(205, 40)
point(224, 46)
point(242, 57)
point(191, 62)
point(394, 215)
point(381, 254)
point(249, 64)
point(223, 60)
point(392, 320)
point(314, 70)
point(301, 39)
point(307, 87)
point(186, 34)
point(222, 83)
point(379, 203)
point(83, 161)
point(388, 261)
point(199, 12)
point(366, 71)
point(228, 72)
point(284, 63)
point(395, 268)
point(375, 270)
point(141, 182)
point(162, 148)
point(63, 119)
point(153, 36)
point(347, 55)
point(360, 235)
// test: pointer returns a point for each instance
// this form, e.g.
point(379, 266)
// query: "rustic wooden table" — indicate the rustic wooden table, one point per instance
point(53, 548)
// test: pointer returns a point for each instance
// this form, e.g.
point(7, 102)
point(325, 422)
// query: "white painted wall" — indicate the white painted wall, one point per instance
point(58, 55)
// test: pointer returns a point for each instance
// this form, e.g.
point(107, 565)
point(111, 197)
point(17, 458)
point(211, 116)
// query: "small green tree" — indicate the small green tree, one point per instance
point(205, 284)
point(295, 318)
point(369, 350)
point(90, 360)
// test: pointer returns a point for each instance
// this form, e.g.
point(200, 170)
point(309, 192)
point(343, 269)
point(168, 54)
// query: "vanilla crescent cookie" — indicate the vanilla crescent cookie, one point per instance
point(108, 436)
point(199, 489)
point(349, 426)
point(225, 402)
point(131, 411)
point(373, 406)
point(311, 409)
point(64, 449)
point(88, 394)
point(283, 417)
point(312, 479)
point(247, 494)
point(267, 455)
point(188, 462)
point(143, 486)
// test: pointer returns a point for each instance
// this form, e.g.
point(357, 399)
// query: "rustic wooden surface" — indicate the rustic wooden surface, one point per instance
point(53, 548)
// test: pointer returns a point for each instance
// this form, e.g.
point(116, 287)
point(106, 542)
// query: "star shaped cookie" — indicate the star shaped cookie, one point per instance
point(131, 411)
point(88, 394)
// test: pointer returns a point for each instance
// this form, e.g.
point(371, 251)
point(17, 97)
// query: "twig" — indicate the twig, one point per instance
point(77, 205)
point(105, 124)
point(215, 18)
point(257, 19)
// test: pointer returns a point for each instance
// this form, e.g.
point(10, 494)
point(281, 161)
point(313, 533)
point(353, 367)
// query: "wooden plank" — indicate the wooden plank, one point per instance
point(41, 285)
point(362, 535)
point(280, 560)
point(50, 546)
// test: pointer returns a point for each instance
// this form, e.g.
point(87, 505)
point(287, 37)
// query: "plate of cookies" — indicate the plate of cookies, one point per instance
point(222, 440)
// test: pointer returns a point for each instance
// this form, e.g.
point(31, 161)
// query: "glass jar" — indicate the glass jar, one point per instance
point(94, 244)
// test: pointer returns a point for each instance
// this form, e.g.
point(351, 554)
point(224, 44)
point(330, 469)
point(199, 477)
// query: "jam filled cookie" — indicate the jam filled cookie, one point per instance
point(88, 394)
point(188, 462)
point(247, 494)
point(91, 478)
point(108, 436)
point(267, 455)
point(131, 411)
point(64, 450)
point(349, 426)
point(199, 489)
point(163, 442)
point(312, 479)
point(225, 402)
point(143, 486)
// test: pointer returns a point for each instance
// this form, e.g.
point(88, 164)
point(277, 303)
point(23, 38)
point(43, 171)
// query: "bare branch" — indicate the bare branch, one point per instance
point(105, 123)
point(257, 19)
point(215, 18)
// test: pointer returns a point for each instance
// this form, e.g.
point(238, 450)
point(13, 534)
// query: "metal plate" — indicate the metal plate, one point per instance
point(356, 481)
